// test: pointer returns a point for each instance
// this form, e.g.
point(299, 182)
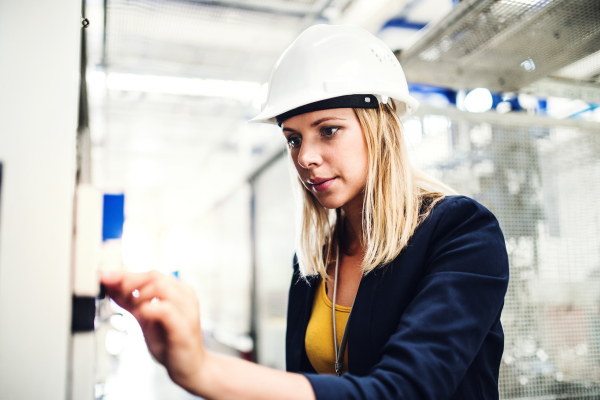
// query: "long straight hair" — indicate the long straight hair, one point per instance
point(397, 198)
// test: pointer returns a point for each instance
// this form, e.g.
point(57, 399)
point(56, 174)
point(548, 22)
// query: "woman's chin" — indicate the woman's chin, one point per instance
point(329, 202)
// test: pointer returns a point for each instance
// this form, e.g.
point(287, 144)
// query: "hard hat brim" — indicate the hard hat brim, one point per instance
point(405, 105)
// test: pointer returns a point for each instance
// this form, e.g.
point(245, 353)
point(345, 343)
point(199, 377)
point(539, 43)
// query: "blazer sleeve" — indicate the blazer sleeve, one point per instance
point(441, 331)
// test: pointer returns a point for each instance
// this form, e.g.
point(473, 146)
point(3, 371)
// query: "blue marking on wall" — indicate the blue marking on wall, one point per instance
point(113, 216)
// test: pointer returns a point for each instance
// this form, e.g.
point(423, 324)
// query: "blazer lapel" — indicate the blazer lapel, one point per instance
point(298, 340)
point(360, 353)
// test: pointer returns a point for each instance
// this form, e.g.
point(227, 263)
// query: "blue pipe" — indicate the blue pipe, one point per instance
point(401, 22)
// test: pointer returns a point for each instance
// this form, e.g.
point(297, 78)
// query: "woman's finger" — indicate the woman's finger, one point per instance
point(160, 312)
point(118, 283)
point(160, 289)
point(126, 288)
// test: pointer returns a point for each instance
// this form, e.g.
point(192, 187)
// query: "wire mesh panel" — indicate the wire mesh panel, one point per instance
point(541, 180)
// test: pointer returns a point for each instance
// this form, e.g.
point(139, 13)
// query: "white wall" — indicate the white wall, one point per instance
point(39, 59)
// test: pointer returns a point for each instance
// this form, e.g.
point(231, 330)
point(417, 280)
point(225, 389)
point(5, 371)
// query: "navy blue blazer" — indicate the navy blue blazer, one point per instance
point(427, 326)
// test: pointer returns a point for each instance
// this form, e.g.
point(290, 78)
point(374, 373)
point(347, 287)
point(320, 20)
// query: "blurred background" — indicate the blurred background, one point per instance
point(123, 122)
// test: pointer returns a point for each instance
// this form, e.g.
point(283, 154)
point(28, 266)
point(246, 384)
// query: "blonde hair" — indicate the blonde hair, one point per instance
point(397, 198)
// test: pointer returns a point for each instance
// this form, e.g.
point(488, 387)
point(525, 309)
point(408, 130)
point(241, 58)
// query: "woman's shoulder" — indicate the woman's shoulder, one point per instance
point(463, 236)
point(459, 205)
point(457, 199)
point(459, 214)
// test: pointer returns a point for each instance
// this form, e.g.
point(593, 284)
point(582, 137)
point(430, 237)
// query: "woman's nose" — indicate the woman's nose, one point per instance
point(309, 156)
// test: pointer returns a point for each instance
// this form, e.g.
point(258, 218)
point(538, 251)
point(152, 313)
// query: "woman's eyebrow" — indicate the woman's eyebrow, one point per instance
point(316, 123)
point(289, 130)
point(319, 121)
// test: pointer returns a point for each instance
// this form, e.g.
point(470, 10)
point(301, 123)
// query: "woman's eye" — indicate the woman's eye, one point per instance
point(294, 141)
point(329, 130)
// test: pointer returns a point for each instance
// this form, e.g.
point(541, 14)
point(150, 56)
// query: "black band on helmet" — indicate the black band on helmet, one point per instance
point(349, 101)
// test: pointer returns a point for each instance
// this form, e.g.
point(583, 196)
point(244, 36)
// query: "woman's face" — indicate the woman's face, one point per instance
point(329, 151)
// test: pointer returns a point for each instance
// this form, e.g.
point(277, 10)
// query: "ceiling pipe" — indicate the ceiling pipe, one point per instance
point(282, 9)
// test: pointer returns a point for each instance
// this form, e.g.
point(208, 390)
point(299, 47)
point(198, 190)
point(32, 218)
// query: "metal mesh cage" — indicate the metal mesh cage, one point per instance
point(540, 178)
point(504, 44)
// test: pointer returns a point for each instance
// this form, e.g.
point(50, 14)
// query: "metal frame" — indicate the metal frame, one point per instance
point(493, 117)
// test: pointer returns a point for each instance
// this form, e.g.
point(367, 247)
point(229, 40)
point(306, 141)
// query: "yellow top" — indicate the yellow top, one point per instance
point(319, 333)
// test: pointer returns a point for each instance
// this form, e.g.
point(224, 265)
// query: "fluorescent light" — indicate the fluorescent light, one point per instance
point(479, 100)
point(241, 90)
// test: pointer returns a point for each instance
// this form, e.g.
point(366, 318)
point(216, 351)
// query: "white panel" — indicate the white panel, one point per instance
point(39, 60)
point(88, 238)
point(84, 347)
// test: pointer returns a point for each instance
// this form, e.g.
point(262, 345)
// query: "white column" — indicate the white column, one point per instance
point(39, 61)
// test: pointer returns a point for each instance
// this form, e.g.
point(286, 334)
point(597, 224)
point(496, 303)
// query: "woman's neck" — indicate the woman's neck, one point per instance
point(352, 227)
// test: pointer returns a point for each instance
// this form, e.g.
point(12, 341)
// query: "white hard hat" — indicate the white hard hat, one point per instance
point(331, 61)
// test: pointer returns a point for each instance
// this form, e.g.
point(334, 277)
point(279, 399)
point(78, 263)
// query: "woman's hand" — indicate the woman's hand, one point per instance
point(169, 315)
point(171, 327)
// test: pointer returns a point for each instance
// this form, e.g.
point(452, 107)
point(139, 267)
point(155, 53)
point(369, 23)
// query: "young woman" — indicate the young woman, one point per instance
point(397, 288)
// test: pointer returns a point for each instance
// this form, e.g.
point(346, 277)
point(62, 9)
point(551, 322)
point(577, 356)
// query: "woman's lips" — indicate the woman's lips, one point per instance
point(321, 184)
